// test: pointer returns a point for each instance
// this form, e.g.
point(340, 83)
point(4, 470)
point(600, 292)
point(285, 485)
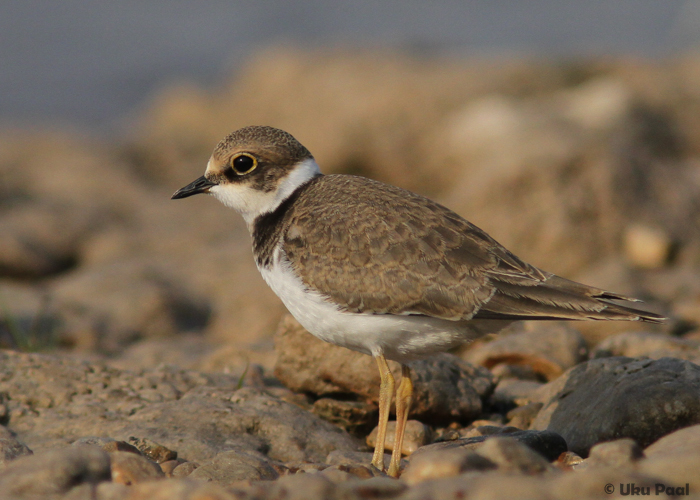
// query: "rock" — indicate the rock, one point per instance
point(547, 348)
point(648, 344)
point(619, 454)
point(630, 397)
point(55, 472)
point(444, 463)
point(156, 452)
point(130, 468)
point(55, 400)
point(569, 461)
point(445, 388)
point(548, 444)
point(523, 416)
point(416, 435)
point(647, 247)
point(185, 469)
point(231, 466)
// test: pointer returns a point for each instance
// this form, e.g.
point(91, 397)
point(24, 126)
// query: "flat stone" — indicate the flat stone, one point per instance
point(231, 466)
point(547, 348)
point(55, 400)
point(130, 468)
point(639, 399)
point(55, 472)
point(547, 443)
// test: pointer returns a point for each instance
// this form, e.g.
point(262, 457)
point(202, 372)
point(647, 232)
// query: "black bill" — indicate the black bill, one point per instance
point(201, 185)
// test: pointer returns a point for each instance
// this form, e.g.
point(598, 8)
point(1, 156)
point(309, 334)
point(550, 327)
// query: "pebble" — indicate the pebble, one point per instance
point(130, 468)
point(184, 469)
point(523, 416)
point(416, 435)
point(646, 247)
point(156, 452)
point(514, 392)
point(444, 463)
point(169, 466)
point(511, 455)
point(619, 453)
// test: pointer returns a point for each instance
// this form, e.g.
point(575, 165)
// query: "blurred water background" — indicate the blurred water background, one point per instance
point(92, 62)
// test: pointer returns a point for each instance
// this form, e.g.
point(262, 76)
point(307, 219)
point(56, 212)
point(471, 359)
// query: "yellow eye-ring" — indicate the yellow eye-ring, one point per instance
point(243, 163)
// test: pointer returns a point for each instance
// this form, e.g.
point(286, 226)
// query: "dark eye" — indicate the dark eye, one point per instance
point(243, 164)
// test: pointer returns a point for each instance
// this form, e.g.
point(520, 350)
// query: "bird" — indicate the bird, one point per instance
point(381, 270)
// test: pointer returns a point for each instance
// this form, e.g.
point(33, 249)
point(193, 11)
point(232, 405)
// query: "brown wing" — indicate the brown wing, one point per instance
point(401, 253)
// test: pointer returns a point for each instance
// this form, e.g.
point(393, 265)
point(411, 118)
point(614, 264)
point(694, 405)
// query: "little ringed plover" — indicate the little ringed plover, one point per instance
point(378, 269)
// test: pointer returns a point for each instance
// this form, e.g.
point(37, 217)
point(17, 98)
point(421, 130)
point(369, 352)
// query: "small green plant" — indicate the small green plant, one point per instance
point(38, 335)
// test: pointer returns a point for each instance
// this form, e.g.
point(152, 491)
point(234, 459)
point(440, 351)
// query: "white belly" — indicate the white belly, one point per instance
point(397, 337)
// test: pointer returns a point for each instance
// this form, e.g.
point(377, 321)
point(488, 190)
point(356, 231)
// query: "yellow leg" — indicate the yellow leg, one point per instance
point(386, 391)
point(404, 394)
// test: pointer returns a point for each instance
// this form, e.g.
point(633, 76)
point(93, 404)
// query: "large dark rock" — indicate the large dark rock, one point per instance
point(613, 398)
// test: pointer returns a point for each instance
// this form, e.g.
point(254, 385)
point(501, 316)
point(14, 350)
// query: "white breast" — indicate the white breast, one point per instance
point(401, 338)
